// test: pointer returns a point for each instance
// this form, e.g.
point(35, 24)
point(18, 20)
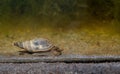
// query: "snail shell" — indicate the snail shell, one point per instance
point(35, 45)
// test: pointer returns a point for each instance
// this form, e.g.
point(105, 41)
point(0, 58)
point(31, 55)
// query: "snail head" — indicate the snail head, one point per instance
point(58, 49)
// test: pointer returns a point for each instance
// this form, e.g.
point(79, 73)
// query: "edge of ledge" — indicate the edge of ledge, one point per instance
point(61, 58)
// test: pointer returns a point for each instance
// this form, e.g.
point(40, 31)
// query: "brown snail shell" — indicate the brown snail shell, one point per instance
point(37, 45)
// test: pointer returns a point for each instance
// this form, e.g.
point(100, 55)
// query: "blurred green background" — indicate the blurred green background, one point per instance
point(86, 27)
point(64, 14)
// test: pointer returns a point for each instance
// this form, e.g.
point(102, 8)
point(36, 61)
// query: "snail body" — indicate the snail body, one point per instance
point(40, 45)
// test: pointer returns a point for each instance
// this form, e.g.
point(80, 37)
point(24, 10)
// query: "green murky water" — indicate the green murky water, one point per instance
point(76, 26)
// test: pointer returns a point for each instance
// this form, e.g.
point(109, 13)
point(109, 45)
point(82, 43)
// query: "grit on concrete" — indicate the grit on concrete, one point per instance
point(59, 68)
point(61, 58)
point(60, 65)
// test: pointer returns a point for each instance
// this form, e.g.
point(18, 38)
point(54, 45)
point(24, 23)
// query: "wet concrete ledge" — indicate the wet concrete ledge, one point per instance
point(64, 64)
point(60, 68)
point(62, 58)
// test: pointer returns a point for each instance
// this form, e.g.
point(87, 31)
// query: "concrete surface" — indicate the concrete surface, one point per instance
point(62, 58)
point(64, 64)
point(59, 68)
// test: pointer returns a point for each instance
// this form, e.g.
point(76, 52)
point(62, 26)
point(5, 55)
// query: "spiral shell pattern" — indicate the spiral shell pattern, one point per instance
point(36, 45)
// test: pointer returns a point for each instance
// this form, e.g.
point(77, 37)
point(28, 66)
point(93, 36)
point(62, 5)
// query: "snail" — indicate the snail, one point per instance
point(39, 45)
